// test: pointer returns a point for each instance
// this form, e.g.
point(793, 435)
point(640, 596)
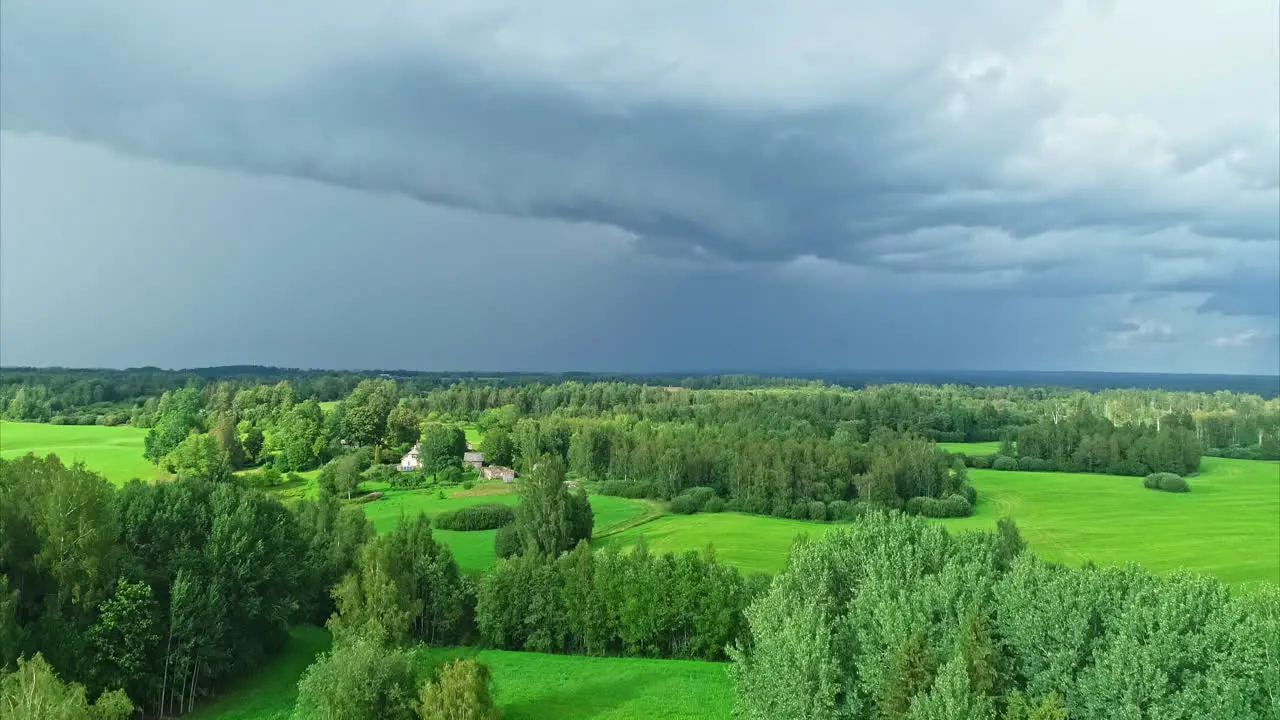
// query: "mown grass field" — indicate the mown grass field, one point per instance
point(527, 686)
point(753, 543)
point(1227, 526)
point(116, 452)
point(534, 686)
point(982, 448)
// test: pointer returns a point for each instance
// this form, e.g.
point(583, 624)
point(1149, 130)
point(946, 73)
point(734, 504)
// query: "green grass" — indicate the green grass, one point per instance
point(979, 448)
point(116, 452)
point(1226, 526)
point(473, 435)
point(534, 686)
point(753, 543)
point(526, 686)
point(270, 694)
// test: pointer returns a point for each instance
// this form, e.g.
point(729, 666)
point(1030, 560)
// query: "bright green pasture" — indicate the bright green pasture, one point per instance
point(525, 685)
point(754, 543)
point(271, 693)
point(116, 452)
point(1227, 526)
point(979, 448)
point(535, 686)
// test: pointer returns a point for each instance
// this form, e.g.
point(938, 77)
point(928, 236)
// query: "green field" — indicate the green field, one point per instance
point(982, 448)
point(753, 543)
point(270, 694)
point(474, 549)
point(116, 452)
point(527, 686)
point(534, 686)
point(1226, 526)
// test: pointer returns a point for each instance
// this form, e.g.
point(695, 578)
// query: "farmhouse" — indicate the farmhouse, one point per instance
point(495, 472)
point(474, 459)
point(410, 461)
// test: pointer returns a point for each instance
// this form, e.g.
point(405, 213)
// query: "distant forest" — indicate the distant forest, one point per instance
point(791, 447)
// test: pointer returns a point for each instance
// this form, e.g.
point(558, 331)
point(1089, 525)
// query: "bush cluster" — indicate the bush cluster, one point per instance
point(1004, 462)
point(1167, 482)
point(950, 506)
point(629, 489)
point(486, 516)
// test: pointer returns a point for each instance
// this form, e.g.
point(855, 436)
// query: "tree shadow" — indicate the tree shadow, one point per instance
point(577, 700)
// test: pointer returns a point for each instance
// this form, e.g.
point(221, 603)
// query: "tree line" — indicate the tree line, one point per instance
point(1226, 423)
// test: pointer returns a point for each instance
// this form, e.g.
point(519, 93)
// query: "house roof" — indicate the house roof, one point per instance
point(473, 457)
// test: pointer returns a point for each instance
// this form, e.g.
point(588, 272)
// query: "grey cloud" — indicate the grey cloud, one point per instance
point(1244, 338)
point(1147, 332)
point(831, 173)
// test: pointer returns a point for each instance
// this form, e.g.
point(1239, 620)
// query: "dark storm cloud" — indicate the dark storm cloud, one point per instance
point(920, 146)
point(646, 184)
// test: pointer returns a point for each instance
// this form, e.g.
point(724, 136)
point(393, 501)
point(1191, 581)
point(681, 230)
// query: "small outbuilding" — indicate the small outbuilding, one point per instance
point(498, 472)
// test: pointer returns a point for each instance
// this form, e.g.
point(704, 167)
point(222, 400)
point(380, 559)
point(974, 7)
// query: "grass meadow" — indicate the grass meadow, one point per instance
point(1233, 506)
point(116, 452)
point(527, 686)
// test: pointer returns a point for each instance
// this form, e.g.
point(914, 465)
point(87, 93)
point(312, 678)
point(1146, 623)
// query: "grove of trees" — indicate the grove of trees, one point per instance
point(895, 618)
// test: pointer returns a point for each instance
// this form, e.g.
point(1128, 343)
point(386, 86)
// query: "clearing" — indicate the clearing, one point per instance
point(116, 452)
point(1064, 517)
point(527, 686)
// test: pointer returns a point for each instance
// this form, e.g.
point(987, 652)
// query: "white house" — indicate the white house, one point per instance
point(410, 461)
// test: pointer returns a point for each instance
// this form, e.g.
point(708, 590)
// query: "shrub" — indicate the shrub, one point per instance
point(799, 511)
point(1167, 482)
point(714, 505)
point(270, 476)
point(780, 510)
point(293, 477)
point(684, 505)
point(1033, 464)
point(948, 507)
point(459, 692)
point(817, 510)
point(468, 484)
point(838, 510)
point(357, 680)
point(700, 494)
point(382, 473)
point(486, 516)
point(970, 495)
point(982, 462)
point(507, 542)
point(1004, 462)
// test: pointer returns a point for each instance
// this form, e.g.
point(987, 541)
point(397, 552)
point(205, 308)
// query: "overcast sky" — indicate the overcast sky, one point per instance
point(641, 184)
